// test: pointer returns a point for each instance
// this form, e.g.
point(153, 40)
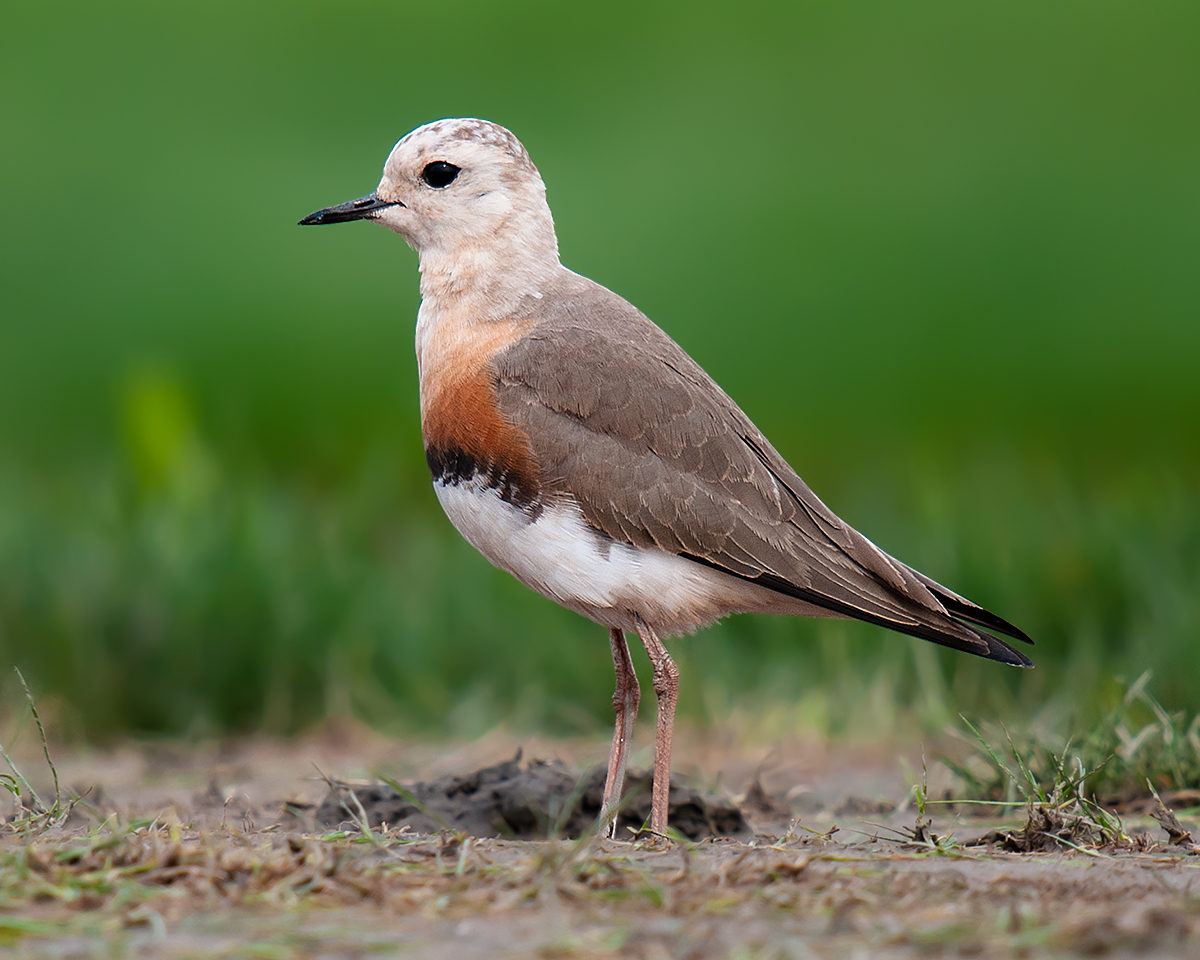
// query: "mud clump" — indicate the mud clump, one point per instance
point(526, 801)
point(1048, 829)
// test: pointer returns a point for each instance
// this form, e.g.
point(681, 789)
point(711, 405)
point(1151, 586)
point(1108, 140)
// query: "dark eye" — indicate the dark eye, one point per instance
point(439, 173)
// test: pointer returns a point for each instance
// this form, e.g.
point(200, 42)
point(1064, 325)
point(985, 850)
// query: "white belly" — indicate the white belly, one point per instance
point(563, 558)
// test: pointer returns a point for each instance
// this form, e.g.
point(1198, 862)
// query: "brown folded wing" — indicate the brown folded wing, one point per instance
point(657, 455)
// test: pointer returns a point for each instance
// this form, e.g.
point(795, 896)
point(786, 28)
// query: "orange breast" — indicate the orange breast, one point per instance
point(466, 437)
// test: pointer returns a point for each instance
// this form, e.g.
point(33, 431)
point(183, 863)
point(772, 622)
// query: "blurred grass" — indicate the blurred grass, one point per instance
point(944, 255)
point(259, 603)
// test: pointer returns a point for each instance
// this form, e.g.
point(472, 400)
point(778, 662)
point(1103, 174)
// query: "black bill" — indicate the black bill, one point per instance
point(364, 208)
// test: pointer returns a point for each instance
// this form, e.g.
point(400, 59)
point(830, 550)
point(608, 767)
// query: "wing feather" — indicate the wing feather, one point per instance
point(657, 455)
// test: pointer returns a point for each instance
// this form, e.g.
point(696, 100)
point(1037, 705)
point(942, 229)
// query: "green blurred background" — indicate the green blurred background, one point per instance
point(945, 254)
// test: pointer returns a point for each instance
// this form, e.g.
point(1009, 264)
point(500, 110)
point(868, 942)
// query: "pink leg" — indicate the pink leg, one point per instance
point(666, 686)
point(625, 706)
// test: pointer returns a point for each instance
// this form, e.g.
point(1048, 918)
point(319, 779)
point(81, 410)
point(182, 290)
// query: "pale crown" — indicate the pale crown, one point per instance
point(496, 199)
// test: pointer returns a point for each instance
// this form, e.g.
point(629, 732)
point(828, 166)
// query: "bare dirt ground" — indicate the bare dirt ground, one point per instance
point(241, 850)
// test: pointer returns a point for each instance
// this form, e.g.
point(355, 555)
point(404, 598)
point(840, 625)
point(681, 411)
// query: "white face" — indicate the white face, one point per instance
point(462, 183)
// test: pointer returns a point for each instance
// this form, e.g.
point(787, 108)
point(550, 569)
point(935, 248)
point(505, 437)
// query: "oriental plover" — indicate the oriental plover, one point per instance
point(577, 446)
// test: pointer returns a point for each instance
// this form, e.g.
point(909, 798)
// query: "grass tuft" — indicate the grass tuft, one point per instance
point(34, 813)
point(1136, 743)
point(1062, 810)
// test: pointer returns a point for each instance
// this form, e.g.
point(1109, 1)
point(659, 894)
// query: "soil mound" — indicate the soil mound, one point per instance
point(527, 801)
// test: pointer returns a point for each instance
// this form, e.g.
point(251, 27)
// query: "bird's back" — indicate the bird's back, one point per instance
point(622, 423)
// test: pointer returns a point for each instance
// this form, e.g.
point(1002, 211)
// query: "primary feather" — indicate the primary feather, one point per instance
point(623, 421)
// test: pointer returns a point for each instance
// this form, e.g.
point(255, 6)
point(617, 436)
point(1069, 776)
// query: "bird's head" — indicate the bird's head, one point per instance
point(456, 187)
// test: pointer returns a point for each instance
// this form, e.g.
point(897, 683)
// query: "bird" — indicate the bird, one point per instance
point(577, 446)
